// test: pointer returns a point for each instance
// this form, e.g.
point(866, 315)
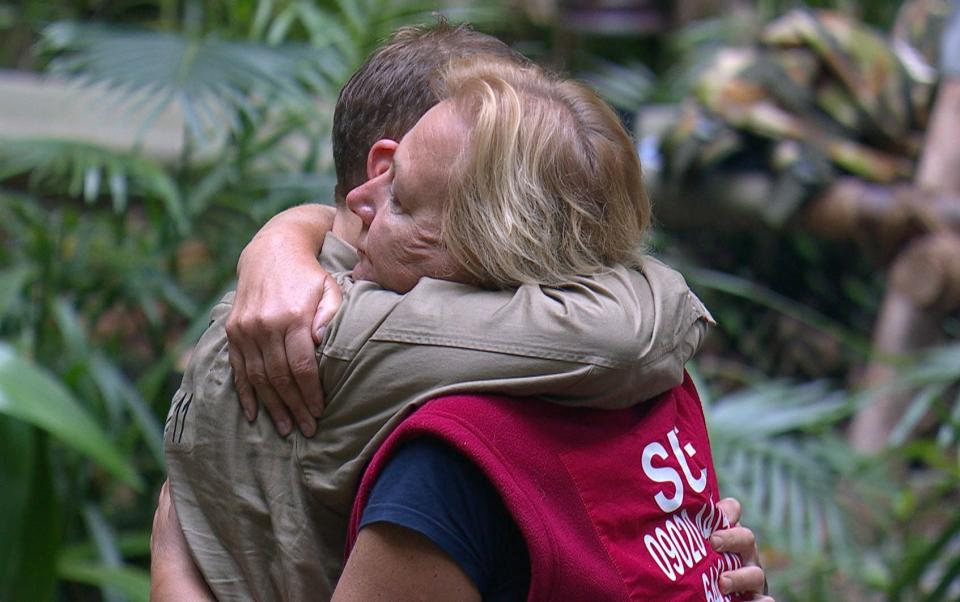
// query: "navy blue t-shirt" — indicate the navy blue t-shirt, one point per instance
point(432, 489)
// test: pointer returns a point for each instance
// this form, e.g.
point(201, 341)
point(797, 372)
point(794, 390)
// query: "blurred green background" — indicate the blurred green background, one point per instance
point(142, 143)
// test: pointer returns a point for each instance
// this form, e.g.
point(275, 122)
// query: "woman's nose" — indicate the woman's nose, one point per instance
point(360, 202)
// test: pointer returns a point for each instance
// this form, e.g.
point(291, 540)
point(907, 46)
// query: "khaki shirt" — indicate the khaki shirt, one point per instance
point(266, 517)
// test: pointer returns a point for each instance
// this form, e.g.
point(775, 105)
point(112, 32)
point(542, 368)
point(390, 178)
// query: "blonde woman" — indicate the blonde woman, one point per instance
point(517, 178)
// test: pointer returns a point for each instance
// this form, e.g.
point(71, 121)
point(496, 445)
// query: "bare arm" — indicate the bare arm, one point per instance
point(394, 563)
point(284, 298)
point(173, 575)
point(390, 562)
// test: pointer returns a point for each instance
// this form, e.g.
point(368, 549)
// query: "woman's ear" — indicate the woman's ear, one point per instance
point(380, 157)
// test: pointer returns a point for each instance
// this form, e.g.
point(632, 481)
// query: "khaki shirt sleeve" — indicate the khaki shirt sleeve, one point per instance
point(607, 341)
point(337, 255)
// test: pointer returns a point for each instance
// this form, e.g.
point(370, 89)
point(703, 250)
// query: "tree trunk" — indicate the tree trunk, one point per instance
point(924, 281)
point(923, 285)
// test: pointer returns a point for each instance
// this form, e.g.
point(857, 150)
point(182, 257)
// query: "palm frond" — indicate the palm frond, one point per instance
point(776, 408)
point(933, 377)
point(355, 27)
point(214, 82)
point(927, 566)
point(88, 171)
point(791, 483)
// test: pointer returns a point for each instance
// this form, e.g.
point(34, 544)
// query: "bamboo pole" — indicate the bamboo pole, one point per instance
point(924, 280)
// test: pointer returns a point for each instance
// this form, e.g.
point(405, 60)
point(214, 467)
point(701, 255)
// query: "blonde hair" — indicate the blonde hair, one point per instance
point(549, 184)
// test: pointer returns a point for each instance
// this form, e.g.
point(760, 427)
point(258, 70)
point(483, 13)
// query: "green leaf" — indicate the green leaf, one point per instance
point(113, 385)
point(916, 410)
point(30, 394)
point(788, 470)
point(69, 164)
point(30, 575)
point(916, 566)
point(132, 582)
point(130, 544)
point(107, 548)
point(774, 408)
point(12, 282)
point(262, 16)
point(17, 462)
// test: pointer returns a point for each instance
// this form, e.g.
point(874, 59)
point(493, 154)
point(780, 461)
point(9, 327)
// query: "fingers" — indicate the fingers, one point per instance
point(749, 579)
point(301, 356)
point(250, 376)
point(272, 350)
point(731, 509)
point(281, 383)
point(248, 400)
point(330, 301)
point(741, 541)
point(278, 413)
point(738, 540)
point(256, 374)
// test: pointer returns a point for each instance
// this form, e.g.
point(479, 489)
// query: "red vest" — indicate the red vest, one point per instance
point(613, 505)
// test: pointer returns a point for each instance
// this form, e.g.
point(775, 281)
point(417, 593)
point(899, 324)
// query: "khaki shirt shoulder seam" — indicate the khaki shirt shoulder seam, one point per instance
point(394, 335)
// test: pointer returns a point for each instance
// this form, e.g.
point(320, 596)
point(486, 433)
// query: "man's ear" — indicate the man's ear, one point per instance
point(380, 157)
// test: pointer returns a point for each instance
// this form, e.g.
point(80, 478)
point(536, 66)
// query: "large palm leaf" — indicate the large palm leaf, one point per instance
point(773, 451)
point(214, 82)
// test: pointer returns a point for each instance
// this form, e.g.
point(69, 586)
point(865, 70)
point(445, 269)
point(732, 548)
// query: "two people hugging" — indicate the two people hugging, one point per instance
point(486, 372)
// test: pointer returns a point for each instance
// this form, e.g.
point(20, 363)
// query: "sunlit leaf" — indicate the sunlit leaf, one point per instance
point(28, 393)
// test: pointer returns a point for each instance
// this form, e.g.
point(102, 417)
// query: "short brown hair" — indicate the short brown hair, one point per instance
point(549, 184)
point(393, 88)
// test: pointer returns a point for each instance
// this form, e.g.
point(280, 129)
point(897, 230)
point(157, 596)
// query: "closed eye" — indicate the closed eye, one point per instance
point(395, 205)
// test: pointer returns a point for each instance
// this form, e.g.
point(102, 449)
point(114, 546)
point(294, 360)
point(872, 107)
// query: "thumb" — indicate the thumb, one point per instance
point(330, 300)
